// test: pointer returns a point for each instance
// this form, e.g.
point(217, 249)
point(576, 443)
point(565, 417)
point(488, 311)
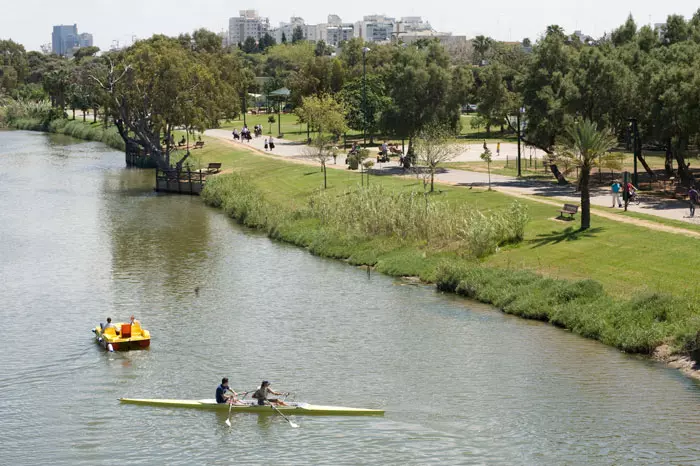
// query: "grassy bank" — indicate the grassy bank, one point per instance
point(623, 285)
point(74, 128)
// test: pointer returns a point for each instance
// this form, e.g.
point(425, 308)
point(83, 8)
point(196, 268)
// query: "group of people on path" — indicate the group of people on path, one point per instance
point(224, 394)
point(617, 191)
point(244, 136)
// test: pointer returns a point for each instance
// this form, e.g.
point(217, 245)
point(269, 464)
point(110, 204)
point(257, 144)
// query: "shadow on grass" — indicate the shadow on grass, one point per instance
point(569, 234)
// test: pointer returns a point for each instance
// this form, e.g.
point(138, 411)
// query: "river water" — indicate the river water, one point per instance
point(83, 238)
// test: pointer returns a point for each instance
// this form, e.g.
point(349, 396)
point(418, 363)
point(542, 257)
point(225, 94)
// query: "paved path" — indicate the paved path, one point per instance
point(549, 193)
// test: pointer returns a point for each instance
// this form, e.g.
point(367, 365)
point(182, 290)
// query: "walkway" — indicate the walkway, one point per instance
point(549, 193)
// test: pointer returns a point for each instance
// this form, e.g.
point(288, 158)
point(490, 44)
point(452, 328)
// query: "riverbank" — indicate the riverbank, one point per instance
point(74, 128)
point(636, 301)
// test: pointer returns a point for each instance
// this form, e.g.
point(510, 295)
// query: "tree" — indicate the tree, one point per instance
point(297, 34)
point(545, 88)
point(527, 43)
point(495, 101)
point(434, 147)
point(84, 52)
point(250, 45)
point(206, 41)
point(419, 84)
point(13, 65)
point(365, 113)
point(266, 42)
point(481, 45)
point(322, 49)
point(675, 30)
point(320, 150)
point(487, 157)
point(284, 38)
point(323, 114)
point(583, 146)
point(625, 33)
point(157, 85)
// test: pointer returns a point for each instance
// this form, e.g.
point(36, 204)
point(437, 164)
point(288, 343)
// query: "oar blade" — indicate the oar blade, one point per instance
point(228, 422)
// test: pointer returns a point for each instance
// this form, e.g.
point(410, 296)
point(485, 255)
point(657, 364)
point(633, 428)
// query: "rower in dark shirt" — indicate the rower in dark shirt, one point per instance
point(221, 395)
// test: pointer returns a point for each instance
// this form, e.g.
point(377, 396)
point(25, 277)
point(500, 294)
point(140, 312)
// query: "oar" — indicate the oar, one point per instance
point(285, 417)
point(228, 419)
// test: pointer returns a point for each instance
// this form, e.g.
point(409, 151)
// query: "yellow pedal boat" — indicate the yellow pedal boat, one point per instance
point(125, 337)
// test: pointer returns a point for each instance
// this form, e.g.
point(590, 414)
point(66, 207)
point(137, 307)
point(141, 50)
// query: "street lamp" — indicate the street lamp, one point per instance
point(519, 131)
point(364, 94)
point(521, 111)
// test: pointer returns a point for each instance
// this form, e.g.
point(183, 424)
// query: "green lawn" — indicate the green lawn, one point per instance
point(626, 259)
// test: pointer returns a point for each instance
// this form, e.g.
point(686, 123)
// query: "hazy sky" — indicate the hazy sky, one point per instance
point(30, 21)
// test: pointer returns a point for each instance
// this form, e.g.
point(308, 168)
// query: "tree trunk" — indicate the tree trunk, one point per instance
point(325, 181)
point(73, 113)
point(668, 163)
point(94, 115)
point(585, 198)
point(432, 180)
point(83, 116)
point(488, 130)
point(683, 171)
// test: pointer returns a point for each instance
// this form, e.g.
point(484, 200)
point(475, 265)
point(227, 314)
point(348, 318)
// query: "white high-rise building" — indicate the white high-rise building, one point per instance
point(309, 32)
point(376, 28)
point(247, 24)
point(335, 31)
point(412, 24)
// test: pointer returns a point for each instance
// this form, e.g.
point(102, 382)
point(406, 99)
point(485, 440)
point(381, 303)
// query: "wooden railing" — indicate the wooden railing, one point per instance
point(182, 182)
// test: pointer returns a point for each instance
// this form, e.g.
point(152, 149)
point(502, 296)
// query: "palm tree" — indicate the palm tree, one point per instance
point(481, 45)
point(584, 145)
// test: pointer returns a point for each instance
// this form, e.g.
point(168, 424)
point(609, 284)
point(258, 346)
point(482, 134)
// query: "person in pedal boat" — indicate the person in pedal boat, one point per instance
point(222, 395)
point(109, 324)
point(265, 390)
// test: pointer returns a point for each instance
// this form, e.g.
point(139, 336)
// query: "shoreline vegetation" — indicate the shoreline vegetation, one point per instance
point(491, 263)
point(74, 128)
point(283, 203)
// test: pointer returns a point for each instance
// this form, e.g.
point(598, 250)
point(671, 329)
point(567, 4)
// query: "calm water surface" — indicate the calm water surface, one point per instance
point(83, 238)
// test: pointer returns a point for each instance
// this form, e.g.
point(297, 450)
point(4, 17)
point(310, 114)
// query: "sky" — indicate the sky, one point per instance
point(30, 22)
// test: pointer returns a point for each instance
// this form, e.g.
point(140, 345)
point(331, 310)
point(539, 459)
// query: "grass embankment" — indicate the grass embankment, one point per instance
point(75, 128)
point(624, 285)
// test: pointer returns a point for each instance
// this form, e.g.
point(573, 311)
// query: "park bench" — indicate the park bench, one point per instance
point(199, 144)
point(570, 209)
point(214, 167)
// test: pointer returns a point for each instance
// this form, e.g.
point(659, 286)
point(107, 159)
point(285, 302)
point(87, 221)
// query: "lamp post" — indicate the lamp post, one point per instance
point(364, 94)
point(521, 110)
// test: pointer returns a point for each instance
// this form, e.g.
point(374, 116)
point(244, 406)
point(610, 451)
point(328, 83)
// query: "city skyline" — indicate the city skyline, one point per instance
point(509, 20)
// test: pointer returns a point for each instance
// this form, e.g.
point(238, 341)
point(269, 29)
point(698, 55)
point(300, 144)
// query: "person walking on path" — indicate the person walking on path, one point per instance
point(692, 199)
point(272, 144)
point(616, 194)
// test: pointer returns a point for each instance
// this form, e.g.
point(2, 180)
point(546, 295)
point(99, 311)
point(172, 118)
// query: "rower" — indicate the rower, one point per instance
point(265, 390)
point(221, 393)
point(109, 324)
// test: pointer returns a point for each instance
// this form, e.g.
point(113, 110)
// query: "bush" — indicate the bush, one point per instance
point(374, 211)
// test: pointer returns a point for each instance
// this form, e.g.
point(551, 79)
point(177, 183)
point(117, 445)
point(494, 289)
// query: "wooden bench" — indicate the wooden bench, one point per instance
point(199, 144)
point(570, 209)
point(214, 167)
